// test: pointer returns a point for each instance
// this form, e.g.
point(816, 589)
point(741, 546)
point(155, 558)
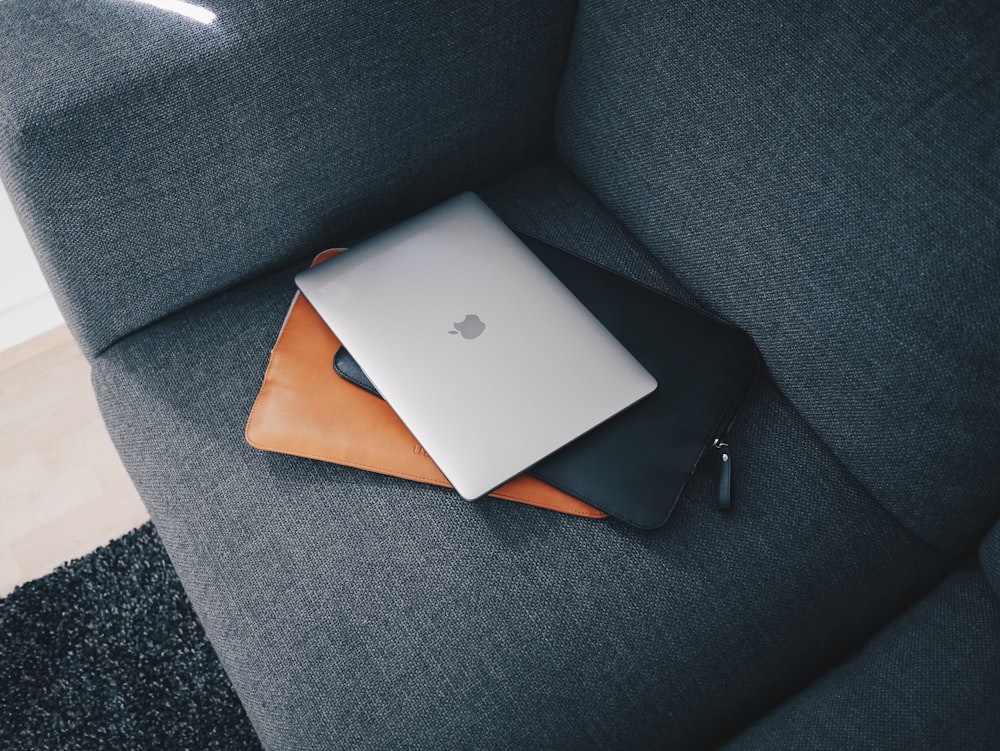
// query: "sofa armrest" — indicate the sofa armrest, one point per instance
point(156, 159)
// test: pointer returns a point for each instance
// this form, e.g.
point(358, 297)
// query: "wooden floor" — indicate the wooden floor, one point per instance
point(63, 490)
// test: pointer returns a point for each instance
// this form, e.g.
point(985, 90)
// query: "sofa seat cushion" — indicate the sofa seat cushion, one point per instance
point(989, 558)
point(829, 180)
point(931, 679)
point(353, 610)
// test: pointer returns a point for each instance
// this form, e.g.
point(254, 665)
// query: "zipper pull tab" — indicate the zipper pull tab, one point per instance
point(726, 475)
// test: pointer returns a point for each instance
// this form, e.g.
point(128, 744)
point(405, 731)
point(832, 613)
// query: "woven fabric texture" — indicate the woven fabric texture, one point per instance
point(829, 180)
point(989, 558)
point(929, 680)
point(155, 161)
point(353, 610)
point(106, 653)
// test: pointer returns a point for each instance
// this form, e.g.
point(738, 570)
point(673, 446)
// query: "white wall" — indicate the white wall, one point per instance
point(26, 305)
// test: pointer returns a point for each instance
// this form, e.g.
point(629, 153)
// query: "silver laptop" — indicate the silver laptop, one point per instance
point(482, 352)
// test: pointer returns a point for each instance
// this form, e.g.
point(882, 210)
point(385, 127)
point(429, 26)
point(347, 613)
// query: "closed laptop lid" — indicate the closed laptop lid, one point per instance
point(635, 466)
point(482, 352)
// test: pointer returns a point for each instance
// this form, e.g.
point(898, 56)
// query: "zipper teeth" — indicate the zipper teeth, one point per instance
point(733, 408)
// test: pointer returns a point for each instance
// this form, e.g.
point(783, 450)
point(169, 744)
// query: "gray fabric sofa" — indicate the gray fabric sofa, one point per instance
point(826, 178)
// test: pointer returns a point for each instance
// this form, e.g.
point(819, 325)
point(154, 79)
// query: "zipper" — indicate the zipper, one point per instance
point(725, 474)
point(725, 451)
point(736, 402)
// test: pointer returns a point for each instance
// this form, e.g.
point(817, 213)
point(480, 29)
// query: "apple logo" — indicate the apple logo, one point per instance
point(470, 328)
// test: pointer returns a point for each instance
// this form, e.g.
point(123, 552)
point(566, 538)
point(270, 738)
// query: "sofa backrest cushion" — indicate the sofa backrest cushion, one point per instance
point(828, 178)
point(156, 160)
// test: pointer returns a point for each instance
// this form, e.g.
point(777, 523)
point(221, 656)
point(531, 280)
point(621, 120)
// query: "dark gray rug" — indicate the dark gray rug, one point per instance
point(106, 653)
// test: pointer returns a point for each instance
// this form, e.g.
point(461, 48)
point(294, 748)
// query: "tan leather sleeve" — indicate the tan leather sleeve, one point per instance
point(305, 409)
